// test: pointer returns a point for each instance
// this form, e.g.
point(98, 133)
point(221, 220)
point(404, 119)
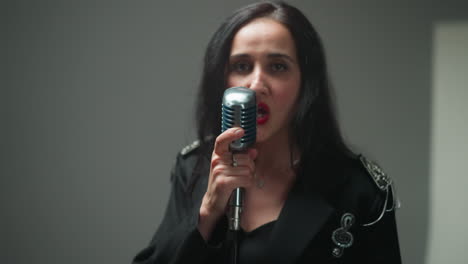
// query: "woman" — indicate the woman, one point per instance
point(309, 199)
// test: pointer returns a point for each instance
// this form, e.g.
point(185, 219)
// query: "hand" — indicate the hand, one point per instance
point(224, 178)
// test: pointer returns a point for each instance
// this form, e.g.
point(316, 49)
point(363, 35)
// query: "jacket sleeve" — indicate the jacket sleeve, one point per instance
point(380, 240)
point(376, 234)
point(177, 240)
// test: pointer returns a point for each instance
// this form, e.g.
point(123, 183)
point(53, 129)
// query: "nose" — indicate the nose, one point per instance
point(258, 81)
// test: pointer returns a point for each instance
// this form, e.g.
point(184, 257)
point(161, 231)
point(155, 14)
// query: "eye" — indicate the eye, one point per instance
point(279, 67)
point(240, 67)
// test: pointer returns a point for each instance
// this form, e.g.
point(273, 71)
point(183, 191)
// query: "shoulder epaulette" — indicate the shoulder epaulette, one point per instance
point(385, 184)
point(378, 175)
point(189, 148)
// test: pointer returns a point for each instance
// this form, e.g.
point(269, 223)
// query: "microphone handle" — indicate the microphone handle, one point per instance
point(236, 202)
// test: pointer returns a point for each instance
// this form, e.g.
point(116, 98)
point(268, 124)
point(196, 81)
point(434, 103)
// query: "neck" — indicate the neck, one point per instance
point(274, 160)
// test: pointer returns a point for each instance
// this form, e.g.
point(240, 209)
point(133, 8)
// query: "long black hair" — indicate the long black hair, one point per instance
point(314, 128)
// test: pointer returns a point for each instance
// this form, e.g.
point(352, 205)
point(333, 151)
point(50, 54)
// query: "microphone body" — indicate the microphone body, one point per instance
point(239, 109)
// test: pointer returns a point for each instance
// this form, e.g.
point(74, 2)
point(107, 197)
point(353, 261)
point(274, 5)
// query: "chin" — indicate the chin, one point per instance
point(266, 134)
point(260, 136)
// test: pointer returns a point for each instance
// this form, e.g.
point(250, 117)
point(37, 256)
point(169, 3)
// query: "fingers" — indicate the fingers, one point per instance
point(252, 153)
point(226, 170)
point(224, 176)
point(241, 159)
point(245, 161)
point(225, 184)
point(224, 139)
point(228, 184)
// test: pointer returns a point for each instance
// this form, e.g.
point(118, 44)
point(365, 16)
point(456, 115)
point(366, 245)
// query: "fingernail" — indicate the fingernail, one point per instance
point(238, 131)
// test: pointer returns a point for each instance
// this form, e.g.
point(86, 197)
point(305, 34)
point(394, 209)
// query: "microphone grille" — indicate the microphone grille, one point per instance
point(239, 108)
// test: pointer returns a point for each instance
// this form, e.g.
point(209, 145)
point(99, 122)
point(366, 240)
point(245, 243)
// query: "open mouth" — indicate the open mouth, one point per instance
point(263, 113)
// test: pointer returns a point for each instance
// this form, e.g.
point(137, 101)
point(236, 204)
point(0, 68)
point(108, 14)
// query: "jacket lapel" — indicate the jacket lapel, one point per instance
point(303, 215)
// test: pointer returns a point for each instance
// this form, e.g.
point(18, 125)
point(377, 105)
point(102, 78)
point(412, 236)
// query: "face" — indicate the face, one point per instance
point(263, 58)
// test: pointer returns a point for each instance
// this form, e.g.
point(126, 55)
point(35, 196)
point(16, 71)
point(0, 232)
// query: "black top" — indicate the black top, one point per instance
point(354, 224)
point(253, 245)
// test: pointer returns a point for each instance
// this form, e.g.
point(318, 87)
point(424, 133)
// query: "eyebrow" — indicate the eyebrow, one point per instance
point(270, 55)
point(281, 55)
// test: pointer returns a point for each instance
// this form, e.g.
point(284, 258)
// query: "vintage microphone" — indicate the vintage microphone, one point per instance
point(239, 109)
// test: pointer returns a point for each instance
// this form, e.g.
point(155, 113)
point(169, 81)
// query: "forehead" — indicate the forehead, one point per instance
point(263, 34)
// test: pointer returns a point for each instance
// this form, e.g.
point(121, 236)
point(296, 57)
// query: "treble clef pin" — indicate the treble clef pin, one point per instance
point(341, 237)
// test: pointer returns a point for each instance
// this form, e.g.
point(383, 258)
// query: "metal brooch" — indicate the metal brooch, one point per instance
point(380, 178)
point(341, 236)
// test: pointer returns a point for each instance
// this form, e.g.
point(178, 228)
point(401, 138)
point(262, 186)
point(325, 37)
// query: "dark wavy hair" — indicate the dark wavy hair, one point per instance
point(315, 130)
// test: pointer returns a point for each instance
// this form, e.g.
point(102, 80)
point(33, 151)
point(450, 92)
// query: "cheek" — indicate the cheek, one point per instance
point(228, 82)
point(233, 81)
point(288, 95)
point(288, 102)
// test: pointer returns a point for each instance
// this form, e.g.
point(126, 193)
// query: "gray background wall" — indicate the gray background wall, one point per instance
point(97, 99)
point(448, 235)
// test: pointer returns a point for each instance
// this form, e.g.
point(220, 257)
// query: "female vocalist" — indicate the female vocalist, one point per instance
point(308, 198)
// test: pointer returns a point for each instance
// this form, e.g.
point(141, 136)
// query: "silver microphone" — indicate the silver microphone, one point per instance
point(239, 109)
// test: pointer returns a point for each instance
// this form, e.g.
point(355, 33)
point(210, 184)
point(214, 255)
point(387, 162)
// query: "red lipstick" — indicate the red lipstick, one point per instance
point(263, 113)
